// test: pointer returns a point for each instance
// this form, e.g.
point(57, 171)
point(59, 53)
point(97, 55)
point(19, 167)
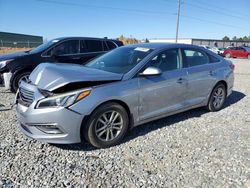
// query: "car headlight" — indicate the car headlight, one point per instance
point(64, 100)
point(4, 63)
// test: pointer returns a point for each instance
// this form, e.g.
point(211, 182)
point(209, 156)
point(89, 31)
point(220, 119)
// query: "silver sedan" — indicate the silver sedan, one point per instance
point(129, 86)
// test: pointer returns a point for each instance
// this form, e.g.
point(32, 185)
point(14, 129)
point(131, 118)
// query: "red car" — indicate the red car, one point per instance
point(236, 52)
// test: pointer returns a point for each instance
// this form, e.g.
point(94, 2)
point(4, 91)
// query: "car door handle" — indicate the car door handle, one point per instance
point(180, 80)
point(211, 73)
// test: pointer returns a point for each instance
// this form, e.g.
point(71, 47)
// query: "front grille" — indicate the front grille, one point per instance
point(26, 97)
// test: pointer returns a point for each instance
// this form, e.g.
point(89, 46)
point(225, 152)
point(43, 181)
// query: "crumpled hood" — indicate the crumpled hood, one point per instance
point(51, 76)
point(12, 56)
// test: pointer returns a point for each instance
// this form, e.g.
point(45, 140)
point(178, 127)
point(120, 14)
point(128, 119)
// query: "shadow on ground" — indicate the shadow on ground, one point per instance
point(144, 129)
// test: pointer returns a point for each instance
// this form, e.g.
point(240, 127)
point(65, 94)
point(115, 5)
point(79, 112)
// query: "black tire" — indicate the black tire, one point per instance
point(248, 56)
point(211, 106)
point(90, 129)
point(228, 55)
point(16, 80)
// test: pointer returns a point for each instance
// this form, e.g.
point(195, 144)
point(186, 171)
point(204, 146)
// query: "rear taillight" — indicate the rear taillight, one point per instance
point(232, 66)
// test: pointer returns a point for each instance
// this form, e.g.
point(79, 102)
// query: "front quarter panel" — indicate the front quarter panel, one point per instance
point(124, 91)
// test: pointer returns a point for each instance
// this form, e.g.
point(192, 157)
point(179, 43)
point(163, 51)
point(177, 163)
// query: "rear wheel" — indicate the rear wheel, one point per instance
point(217, 98)
point(228, 55)
point(107, 125)
point(24, 76)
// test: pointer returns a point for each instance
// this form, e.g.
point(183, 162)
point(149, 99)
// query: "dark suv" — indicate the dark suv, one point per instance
point(17, 67)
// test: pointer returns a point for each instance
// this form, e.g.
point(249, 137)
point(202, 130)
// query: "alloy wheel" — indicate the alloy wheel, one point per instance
point(109, 125)
point(218, 97)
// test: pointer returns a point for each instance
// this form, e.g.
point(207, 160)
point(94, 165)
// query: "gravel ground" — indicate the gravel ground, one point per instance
point(191, 149)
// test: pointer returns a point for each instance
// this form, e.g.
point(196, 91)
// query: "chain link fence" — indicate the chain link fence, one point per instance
point(19, 44)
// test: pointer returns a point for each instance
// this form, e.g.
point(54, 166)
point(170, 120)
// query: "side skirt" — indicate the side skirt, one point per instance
point(169, 114)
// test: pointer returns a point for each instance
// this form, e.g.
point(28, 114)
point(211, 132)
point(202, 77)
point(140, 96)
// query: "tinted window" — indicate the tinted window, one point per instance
point(111, 45)
point(67, 47)
point(167, 60)
point(83, 47)
point(94, 45)
point(48, 53)
point(44, 46)
point(213, 59)
point(119, 43)
point(105, 47)
point(240, 48)
point(195, 57)
point(120, 60)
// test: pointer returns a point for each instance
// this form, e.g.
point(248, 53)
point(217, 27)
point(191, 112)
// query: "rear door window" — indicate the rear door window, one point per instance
point(94, 45)
point(213, 59)
point(111, 45)
point(83, 47)
point(105, 46)
point(195, 57)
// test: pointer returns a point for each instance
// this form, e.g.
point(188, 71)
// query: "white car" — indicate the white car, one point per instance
point(214, 49)
point(205, 46)
point(218, 50)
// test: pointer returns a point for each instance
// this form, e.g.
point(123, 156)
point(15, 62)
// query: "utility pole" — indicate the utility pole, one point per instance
point(178, 18)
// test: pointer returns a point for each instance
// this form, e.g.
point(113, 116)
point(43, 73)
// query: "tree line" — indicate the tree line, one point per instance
point(132, 40)
point(245, 38)
point(128, 40)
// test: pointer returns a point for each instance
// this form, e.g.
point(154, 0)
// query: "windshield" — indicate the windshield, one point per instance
point(44, 46)
point(247, 48)
point(120, 60)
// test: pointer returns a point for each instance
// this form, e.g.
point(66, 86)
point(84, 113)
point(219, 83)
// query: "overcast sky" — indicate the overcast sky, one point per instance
point(138, 18)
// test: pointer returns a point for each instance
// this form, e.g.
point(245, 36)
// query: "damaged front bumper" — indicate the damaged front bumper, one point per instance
point(59, 125)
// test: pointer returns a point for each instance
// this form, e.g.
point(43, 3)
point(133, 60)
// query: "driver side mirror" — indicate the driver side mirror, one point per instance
point(151, 71)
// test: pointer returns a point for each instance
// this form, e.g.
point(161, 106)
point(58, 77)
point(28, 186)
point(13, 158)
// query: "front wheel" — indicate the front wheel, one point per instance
point(107, 125)
point(228, 55)
point(24, 76)
point(217, 98)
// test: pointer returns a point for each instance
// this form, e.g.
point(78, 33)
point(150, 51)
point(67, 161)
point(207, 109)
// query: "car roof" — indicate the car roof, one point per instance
point(163, 45)
point(92, 38)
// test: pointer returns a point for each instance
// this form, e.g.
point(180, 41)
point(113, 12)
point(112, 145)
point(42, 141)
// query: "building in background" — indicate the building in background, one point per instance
point(15, 40)
point(206, 42)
